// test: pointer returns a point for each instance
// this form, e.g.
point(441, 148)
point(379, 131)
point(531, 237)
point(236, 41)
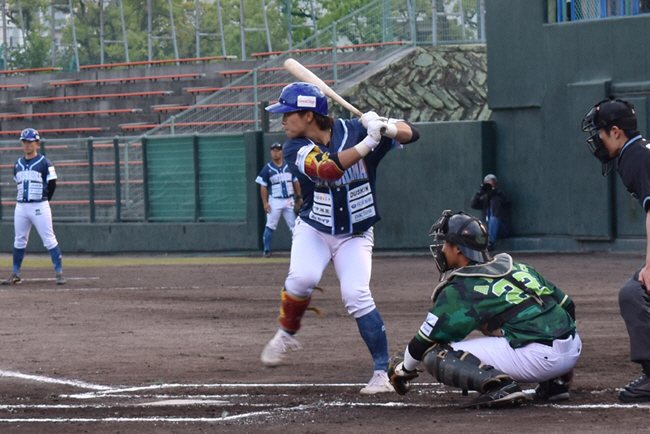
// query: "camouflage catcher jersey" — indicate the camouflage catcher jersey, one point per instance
point(481, 296)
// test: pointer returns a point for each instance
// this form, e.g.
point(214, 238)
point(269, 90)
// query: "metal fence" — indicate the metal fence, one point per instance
point(181, 178)
point(338, 52)
point(567, 10)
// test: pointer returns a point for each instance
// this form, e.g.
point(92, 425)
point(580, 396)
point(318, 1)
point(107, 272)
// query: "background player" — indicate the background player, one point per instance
point(36, 180)
point(613, 133)
point(279, 201)
point(336, 163)
point(528, 322)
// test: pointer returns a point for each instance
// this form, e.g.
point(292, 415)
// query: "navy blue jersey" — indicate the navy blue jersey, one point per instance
point(31, 178)
point(349, 204)
point(279, 178)
point(634, 168)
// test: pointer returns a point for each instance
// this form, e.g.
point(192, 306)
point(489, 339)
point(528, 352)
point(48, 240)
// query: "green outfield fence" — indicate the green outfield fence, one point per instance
point(181, 179)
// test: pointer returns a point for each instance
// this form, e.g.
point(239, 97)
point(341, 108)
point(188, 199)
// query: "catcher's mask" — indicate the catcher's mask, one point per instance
point(462, 230)
point(604, 115)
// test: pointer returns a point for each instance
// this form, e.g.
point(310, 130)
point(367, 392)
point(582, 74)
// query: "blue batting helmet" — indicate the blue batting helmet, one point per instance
point(300, 96)
point(30, 134)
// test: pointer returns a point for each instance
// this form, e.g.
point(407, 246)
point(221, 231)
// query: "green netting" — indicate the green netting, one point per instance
point(170, 166)
point(222, 178)
point(221, 187)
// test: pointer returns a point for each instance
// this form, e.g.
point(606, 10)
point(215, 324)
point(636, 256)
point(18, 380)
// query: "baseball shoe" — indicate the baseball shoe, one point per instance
point(555, 389)
point(60, 279)
point(266, 254)
point(508, 395)
point(378, 384)
point(13, 279)
point(637, 391)
point(274, 352)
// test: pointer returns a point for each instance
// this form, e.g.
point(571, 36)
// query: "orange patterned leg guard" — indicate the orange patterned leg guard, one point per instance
point(291, 311)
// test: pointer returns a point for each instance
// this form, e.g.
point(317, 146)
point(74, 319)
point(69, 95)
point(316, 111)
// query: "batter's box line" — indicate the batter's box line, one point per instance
point(42, 379)
point(118, 391)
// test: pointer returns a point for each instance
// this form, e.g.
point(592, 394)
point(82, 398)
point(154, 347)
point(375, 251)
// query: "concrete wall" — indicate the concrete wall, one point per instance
point(542, 79)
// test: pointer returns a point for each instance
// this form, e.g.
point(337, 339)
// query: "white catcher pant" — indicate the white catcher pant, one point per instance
point(38, 214)
point(530, 364)
point(311, 251)
point(281, 207)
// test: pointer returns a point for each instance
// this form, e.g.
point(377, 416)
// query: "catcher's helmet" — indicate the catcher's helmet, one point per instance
point(462, 230)
point(606, 114)
point(300, 96)
point(30, 134)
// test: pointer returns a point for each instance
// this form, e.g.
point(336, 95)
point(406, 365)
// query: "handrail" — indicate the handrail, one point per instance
point(156, 62)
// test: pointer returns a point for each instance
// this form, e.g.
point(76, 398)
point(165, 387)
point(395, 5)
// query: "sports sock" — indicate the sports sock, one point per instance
point(266, 238)
point(55, 253)
point(19, 255)
point(373, 332)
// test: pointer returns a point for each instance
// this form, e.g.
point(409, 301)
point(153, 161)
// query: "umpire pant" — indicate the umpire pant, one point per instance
point(634, 302)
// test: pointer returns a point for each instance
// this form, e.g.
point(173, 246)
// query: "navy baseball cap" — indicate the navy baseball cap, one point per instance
point(276, 145)
point(615, 113)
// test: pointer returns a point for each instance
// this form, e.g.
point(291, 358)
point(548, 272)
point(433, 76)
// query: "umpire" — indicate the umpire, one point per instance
point(613, 132)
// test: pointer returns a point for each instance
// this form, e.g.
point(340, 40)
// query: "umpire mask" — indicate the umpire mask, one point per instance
point(606, 113)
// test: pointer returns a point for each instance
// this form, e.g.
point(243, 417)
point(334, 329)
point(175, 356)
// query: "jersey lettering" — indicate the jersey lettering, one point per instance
point(513, 294)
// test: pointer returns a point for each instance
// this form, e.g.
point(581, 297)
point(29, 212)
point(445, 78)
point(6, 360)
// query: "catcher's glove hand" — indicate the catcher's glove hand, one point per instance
point(400, 378)
point(297, 204)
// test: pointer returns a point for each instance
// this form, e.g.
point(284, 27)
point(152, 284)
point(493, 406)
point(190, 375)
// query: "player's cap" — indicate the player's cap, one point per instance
point(300, 96)
point(489, 177)
point(615, 113)
point(30, 134)
point(276, 145)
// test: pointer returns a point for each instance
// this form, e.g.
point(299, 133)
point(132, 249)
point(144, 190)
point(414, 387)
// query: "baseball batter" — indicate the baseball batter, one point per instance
point(35, 180)
point(613, 130)
point(336, 163)
point(529, 323)
point(278, 188)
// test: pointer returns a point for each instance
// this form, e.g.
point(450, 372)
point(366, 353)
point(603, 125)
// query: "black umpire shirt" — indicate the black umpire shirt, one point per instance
point(634, 168)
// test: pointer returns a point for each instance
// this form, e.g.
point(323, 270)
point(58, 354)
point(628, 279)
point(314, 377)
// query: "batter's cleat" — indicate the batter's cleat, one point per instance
point(378, 384)
point(266, 254)
point(555, 389)
point(13, 279)
point(60, 279)
point(274, 352)
point(637, 391)
point(508, 395)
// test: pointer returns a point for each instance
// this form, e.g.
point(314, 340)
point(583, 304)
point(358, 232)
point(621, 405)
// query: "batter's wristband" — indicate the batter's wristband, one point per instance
point(391, 131)
point(362, 149)
point(366, 145)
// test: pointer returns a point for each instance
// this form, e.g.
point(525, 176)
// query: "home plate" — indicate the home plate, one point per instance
point(184, 402)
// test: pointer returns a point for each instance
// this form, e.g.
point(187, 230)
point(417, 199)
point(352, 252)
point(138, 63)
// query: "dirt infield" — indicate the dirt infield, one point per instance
point(172, 346)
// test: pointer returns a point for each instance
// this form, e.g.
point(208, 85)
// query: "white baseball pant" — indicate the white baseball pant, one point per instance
point(311, 251)
point(529, 364)
point(280, 207)
point(38, 214)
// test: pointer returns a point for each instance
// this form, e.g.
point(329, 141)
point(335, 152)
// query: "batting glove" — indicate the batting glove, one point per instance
point(376, 128)
point(368, 117)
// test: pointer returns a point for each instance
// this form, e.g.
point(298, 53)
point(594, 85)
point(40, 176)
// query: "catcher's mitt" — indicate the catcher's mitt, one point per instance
point(399, 378)
point(297, 204)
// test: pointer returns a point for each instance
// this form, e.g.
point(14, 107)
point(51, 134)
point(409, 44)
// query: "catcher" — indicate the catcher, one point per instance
point(528, 322)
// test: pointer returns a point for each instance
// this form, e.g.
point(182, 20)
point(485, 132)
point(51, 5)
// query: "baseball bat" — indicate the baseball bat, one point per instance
point(304, 74)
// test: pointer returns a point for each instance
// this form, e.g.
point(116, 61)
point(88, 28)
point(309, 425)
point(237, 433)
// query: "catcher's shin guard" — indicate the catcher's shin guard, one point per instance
point(292, 309)
point(461, 369)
